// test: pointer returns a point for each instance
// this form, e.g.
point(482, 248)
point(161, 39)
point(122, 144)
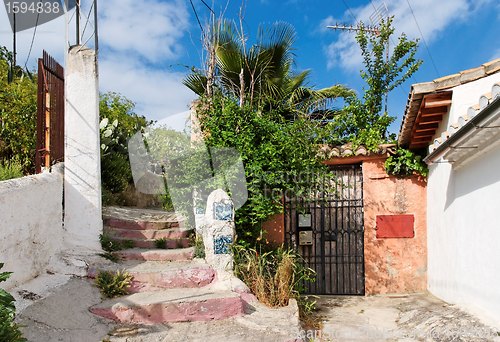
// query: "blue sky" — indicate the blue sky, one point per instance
point(147, 46)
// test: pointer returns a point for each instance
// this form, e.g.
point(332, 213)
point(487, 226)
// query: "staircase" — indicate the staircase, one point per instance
point(168, 285)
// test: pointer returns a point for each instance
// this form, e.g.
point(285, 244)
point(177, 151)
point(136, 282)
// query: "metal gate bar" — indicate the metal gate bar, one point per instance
point(337, 228)
point(50, 113)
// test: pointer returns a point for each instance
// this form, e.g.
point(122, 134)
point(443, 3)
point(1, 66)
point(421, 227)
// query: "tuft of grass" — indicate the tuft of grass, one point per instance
point(109, 256)
point(161, 243)
point(199, 246)
point(126, 244)
point(109, 244)
point(274, 276)
point(113, 284)
point(10, 170)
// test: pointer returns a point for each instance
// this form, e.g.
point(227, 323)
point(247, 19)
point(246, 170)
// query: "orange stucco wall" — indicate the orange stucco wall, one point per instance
point(393, 265)
point(275, 229)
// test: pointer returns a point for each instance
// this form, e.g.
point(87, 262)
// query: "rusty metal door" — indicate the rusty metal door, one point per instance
point(328, 231)
point(50, 113)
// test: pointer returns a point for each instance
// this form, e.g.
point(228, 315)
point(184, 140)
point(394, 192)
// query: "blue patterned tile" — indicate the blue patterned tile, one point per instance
point(223, 211)
point(222, 244)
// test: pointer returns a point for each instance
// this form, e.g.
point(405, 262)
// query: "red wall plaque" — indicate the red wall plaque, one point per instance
point(395, 226)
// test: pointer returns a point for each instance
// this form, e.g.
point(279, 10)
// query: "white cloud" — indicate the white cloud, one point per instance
point(432, 17)
point(49, 36)
point(137, 40)
point(149, 28)
point(328, 21)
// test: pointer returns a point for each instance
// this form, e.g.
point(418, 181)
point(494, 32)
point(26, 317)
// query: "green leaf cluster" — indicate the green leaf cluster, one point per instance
point(9, 330)
point(113, 284)
point(118, 123)
point(363, 120)
point(279, 156)
point(10, 169)
point(405, 163)
point(18, 105)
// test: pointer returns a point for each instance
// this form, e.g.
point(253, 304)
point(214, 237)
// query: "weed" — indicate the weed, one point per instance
point(274, 276)
point(308, 313)
point(113, 284)
point(10, 170)
point(9, 330)
point(126, 244)
point(109, 256)
point(110, 245)
point(199, 246)
point(161, 243)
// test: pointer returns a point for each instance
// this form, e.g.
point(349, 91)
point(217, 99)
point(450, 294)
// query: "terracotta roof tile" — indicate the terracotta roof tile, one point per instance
point(492, 66)
point(484, 101)
point(472, 74)
point(346, 150)
point(418, 90)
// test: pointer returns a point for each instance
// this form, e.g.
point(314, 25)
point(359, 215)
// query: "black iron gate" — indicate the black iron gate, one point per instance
point(327, 230)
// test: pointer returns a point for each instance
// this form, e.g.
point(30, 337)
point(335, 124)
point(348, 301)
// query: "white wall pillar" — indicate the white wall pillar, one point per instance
point(82, 163)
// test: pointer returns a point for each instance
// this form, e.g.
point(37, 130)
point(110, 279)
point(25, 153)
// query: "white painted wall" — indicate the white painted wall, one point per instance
point(463, 220)
point(82, 163)
point(30, 224)
point(465, 96)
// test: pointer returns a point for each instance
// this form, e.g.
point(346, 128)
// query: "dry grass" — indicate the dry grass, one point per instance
point(273, 277)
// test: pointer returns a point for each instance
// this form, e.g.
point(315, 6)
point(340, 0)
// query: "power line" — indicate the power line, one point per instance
point(32, 38)
point(209, 8)
point(349, 10)
point(423, 39)
point(197, 18)
point(88, 19)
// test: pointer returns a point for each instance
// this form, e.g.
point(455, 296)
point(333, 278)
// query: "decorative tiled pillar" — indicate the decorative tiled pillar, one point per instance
point(219, 230)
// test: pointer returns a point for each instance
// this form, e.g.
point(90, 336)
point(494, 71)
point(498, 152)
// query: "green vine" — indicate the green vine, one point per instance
point(405, 163)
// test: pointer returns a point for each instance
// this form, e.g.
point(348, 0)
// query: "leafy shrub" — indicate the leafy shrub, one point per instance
point(116, 172)
point(10, 169)
point(405, 163)
point(274, 276)
point(113, 284)
point(18, 103)
point(9, 330)
point(118, 124)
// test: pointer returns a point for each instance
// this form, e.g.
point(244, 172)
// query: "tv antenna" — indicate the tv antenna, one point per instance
point(85, 18)
point(380, 13)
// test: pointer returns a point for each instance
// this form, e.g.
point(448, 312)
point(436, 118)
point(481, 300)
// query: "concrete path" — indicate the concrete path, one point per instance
point(419, 317)
point(64, 316)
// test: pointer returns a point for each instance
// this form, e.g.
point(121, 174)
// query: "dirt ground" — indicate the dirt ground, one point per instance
point(419, 317)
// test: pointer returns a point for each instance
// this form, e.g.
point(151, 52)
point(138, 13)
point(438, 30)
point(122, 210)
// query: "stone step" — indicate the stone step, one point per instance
point(151, 243)
point(156, 254)
point(130, 234)
point(176, 305)
point(139, 219)
point(157, 276)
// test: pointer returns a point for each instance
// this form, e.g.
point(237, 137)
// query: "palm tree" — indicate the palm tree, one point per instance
point(261, 75)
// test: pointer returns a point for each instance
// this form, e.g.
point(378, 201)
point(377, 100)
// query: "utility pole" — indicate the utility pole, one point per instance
point(13, 61)
point(77, 22)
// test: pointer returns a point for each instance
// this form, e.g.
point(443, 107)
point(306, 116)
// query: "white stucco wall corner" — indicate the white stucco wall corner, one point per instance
point(31, 225)
point(82, 184)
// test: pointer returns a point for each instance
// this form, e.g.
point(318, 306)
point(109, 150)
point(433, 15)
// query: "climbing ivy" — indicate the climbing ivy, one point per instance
point(405, 163)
